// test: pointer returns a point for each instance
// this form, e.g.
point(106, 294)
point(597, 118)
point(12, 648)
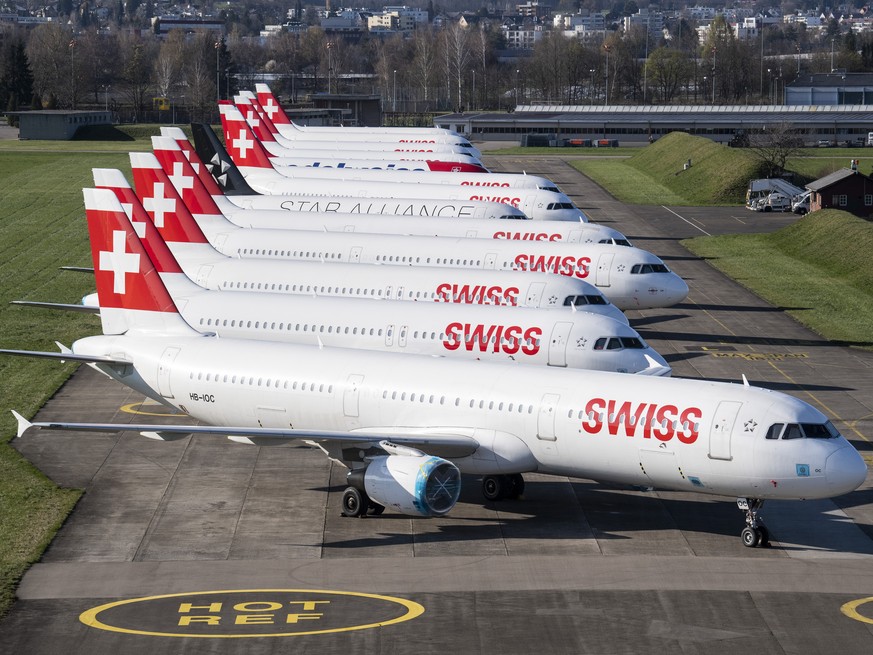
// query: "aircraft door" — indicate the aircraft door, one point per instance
point(603, 265)
point(350, 395)
point(355, 255)
point(546, 417)
point(203, 276)
point(534, 294)
point(389, 335)
point(401, 338)
point(490, 260)
point(661, 467)
point(722, 427)
point(165, 367)
point(558, 344)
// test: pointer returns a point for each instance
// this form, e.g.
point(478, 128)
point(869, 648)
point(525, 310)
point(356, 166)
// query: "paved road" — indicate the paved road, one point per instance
point(573, 567)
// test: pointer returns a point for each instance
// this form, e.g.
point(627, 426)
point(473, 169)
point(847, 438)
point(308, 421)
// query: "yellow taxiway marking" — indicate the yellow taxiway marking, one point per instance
point(137, 408)
point(850, 609)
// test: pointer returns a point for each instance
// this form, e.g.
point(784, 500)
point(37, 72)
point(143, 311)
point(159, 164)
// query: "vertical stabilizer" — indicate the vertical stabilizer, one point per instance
point(271, 105)
point(214, 156)
point(133, 299)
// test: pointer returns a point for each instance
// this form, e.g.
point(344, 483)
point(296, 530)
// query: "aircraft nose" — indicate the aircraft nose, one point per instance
point(676, 289)
point(845, 470)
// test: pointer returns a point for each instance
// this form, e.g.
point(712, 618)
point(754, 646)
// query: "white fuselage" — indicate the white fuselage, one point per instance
point(625, 275)
point(689, 435)
point(470, 228)
point(537, 204)
point(427, 284)
point(576, 339)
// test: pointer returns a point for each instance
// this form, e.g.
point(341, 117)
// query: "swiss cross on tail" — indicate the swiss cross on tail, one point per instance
point(158, 252)
point(185, 181)
point(126, 278)
point(244, 148)
point(271, 105)
point(178, 136)
point(164, 206)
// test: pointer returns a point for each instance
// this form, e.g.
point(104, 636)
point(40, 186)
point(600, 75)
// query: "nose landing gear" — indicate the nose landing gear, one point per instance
point(755, 533)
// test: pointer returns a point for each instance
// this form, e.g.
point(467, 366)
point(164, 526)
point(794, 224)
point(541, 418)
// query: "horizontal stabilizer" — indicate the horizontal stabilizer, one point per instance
point(67, 307)
point(460, 445)
point(655, 369)
point(67, 356)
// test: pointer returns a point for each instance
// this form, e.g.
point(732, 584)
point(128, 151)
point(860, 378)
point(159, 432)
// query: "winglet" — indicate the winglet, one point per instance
point(23, 424)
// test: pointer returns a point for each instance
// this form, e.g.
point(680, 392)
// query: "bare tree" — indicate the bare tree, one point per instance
point(773, 146)
point(49, 53)
point(668, 70)
point(424, 62)
point(456, 43)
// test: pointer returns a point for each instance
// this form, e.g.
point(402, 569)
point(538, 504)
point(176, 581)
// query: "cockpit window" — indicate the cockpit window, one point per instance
point(514, 217)
point(553, 189)
point(641, 269)
point(578, 301)
point(632, 342)
point(803, 431)
point(619, 343)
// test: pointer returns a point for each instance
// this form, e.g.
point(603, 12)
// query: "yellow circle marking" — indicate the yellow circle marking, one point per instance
point(89, 617)
point(850, 609)
point(131, 408)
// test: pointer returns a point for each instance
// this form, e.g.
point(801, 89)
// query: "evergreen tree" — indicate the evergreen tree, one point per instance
point(16, 80)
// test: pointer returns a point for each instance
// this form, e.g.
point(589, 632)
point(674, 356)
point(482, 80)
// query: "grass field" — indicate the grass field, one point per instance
point(817, 268)
point(42, 227)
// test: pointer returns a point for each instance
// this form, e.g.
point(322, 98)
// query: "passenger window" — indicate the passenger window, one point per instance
point(775, 430)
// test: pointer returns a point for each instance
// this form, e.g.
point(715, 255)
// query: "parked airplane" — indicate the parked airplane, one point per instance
point(420, 154)
point(389, 164)
point(197, 199)
point(407, 426)
point(261, 172)
point(274, 110)
point(212, 270)
point(280, 146)
point(424, 207)
point(498, 333)
point(404, 174)
point(629, 277)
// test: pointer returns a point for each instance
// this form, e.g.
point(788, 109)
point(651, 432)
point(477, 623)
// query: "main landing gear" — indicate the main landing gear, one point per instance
point(498, 487)
point(356, 503)
point(755, 533)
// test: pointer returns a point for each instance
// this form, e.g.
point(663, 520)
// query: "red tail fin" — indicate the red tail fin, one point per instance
point(163, 204)
point(253, 118)
point(244, 148)
point(156, 247)
point(132, 295)
point(271, 106)
point(193, 158)
point(186, 182)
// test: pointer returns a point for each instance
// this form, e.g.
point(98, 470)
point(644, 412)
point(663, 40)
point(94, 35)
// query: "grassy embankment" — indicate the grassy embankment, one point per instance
point(818, 265)
point(42, 227)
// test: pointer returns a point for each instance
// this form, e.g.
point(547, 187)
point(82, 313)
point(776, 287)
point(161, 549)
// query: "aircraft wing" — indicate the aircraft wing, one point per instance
point(446, 443)
point(66, 356)
point(86, 309)
point(78, 269)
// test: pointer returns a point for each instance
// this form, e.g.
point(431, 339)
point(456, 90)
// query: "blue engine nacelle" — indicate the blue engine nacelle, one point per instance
point(418, 485)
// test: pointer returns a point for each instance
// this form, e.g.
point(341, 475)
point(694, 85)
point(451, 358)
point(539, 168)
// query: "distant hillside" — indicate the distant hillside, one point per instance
point(718, 174)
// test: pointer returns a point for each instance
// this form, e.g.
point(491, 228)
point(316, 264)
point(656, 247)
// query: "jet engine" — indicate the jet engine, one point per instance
point(409, 482)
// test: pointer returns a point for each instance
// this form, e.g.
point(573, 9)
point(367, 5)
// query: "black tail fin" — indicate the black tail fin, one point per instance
point(212, 153)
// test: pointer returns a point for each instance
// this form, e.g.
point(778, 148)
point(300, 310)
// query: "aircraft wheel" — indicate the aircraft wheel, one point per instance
point(375, 509)
point(494, 487)
point(355, 502)
point(750, 536)
point(764, 534)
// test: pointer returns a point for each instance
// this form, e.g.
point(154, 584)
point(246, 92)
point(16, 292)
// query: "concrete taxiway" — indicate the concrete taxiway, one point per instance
point(572, 567)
